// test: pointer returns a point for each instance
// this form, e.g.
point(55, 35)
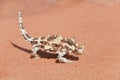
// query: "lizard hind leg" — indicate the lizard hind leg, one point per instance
point(61, 58)
point(34, 52)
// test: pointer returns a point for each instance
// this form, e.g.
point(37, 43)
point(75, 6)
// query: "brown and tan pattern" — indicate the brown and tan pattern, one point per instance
point(51, 44)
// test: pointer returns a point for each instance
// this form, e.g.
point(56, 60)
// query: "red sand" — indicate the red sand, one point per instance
point(95, 25)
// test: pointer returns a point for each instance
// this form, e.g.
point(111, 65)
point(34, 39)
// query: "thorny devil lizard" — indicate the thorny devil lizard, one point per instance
point(51, 44)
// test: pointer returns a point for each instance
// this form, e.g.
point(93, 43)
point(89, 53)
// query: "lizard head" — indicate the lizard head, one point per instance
point(80, 49)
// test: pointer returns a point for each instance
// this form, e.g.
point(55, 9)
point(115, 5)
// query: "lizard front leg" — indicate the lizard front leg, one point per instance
point(60, 57)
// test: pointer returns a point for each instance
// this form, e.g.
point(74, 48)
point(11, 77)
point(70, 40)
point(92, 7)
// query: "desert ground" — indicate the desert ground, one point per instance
point(95, 23)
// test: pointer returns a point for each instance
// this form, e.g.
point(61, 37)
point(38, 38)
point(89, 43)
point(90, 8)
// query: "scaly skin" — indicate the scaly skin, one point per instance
point(51, 44)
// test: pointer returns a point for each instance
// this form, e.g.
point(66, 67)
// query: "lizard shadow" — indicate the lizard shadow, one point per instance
point(43, 54)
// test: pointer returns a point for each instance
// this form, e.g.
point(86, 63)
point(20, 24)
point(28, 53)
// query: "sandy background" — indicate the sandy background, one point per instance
point(93, 22)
